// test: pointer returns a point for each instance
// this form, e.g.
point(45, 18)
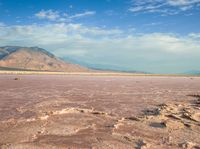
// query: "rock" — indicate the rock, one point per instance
point(196, 117)
point(188, 145)
point(141, 144)
point(132, 118)
point(190, 117)
point(163, 106)
point(158, 124)
point(173, 124)
point(153, 112)
point(198, 101)
point(17, 79)
point(173, 116)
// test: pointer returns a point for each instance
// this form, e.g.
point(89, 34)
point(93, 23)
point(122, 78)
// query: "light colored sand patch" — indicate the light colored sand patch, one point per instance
point(44, 117)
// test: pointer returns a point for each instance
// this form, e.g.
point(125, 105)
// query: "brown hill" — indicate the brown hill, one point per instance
point(34, 58)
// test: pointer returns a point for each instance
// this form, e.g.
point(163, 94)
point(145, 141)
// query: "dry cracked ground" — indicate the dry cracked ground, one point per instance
point(99, 112)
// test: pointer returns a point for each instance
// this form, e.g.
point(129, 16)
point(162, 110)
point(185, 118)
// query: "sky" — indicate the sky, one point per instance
point(156, 36)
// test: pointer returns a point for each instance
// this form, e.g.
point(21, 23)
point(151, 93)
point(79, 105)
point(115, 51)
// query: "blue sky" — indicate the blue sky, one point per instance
point(159, 36)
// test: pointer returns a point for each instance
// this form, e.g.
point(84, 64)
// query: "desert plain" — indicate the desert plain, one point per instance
point(99, 112)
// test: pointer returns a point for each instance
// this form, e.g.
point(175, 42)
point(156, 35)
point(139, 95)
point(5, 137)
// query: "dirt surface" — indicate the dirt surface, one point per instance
point(59, 111)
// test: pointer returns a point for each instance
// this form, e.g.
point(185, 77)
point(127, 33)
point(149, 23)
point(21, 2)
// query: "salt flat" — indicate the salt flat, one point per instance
point(77, 111)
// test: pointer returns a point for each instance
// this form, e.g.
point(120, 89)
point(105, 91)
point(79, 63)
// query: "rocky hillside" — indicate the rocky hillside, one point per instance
point(34, 58)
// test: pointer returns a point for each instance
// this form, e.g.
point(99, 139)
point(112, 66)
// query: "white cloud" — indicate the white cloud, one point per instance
point(151, 52)
point(182, 2)
point(195, 35)
point(48, 14)
point(153, 24)
point(86, 13)
point(164, 7)
point(2, 24)
point(61, 17)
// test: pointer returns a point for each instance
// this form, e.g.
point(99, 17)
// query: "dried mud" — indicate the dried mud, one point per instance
point(46, 111)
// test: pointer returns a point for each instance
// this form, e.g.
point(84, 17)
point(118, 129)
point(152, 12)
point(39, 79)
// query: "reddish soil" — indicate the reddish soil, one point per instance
point(63, 111)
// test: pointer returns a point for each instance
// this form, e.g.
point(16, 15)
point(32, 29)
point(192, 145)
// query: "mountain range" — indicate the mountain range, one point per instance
point(34, 58)
point(38, 59)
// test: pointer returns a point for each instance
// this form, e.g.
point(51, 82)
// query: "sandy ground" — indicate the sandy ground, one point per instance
point(99, 112)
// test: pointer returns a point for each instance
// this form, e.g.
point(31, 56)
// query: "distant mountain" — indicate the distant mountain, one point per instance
point(34, 58)
point(193, 72)
point(103, 67)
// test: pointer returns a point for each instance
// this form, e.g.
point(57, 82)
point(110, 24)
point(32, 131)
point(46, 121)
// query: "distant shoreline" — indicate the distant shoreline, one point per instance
point(89, 73)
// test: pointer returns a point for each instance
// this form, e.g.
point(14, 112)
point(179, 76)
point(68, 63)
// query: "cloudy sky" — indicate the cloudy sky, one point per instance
point(158, 36)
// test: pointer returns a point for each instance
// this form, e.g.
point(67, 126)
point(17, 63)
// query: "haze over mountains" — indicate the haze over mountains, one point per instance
point(38, 59)
point(34, 58)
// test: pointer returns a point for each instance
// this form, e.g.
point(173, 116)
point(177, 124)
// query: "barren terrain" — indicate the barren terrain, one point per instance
point(104, 112)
